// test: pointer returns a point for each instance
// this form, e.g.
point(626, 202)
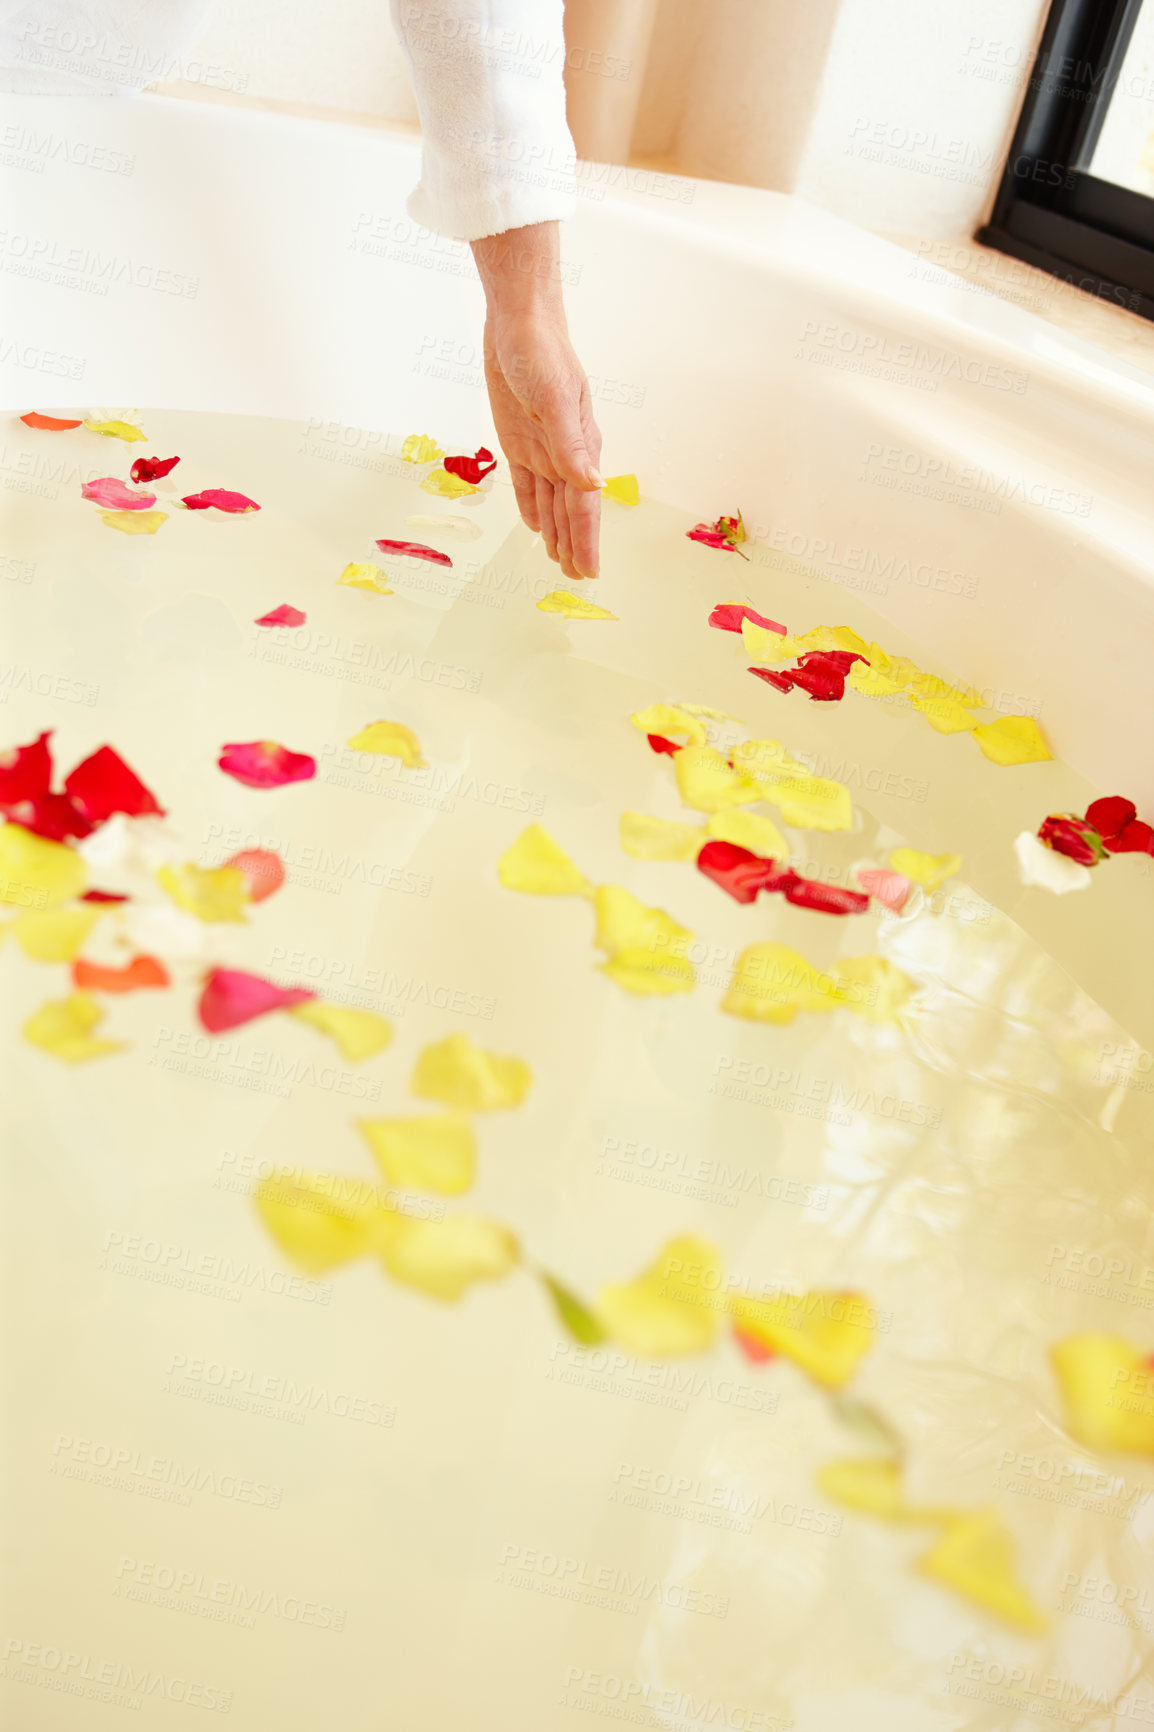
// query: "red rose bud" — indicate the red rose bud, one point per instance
point(1073, 837)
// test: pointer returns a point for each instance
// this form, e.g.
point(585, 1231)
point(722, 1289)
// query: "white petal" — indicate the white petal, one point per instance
point(166, 932)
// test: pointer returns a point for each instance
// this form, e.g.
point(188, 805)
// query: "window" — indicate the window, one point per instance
point(1077, 195)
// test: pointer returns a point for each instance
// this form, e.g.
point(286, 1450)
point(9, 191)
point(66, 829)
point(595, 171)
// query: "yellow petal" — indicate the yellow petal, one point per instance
point(711, 715)
point(872, 1484)
point(771, 983)
point(134, 522)
point(1108, 1389)
point(707, 783)
point(673, 1307)
point(36, 873)
point(624, 923)
point(1013, 740)
point(649, 838)
point(446, 485)
point(930, 686)
point(321, 1220)
point(419, 448)
point(811, 802)
point(64, 1027)
point(563, 601)
point(540, 866)
point(764, 645)
point(116, 430)
point(211, 893)
point(946, 715)
point(54, 934)
point(391, 740)
point(871, 681)
point(830, 637)
point(671, 721)
point(622, 488)
point(975, 1557)
point(461, 1075)
point(436, 1152)
point(928, 870)
point(826, 1333)
point(442, 1258)
point(358, 1033)
point(366, 577)
point(872, 987)
point(648, 975)
point(899, 670)
point(749, 830)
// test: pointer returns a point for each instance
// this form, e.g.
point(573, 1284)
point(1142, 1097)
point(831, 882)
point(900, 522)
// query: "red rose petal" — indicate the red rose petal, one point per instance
point(103, 896)
point(265, 764)
point(263, 869)
point(739, 871)
point(104, 784)
point(820, 676)
point(471, 469)
point(754, 1350)
point(658, 743)
point(1136, 838)
point(53, 816)
point(728, 615)
point(826, 898)
point(415, 549)
point(1110, 815)
point(231, 997)
point(152, 468)
point(843, 660)
point(48, 423)
point(282, 615)
point(710, 537)
point(221, 499)
point(142, 971)
point(26, 771)
point(781, 682)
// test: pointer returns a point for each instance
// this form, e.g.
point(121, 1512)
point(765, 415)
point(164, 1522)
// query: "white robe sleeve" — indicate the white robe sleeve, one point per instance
point(497, 151)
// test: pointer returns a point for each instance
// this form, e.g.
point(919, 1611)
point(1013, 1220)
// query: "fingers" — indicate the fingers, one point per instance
point(564, 539)
point(566, 424)
point(584, 517)
point(545, 518)
point(525, 489)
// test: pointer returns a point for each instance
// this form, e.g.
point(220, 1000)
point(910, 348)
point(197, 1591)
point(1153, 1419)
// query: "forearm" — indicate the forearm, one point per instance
point(520, 270)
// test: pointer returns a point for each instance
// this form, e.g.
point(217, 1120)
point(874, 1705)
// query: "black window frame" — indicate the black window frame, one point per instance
point(1050, 213)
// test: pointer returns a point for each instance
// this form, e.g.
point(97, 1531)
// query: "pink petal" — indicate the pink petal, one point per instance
point(221, 498)
point(728, 615)
point(710, 537)
point(892, 889)
point(263, 869)
point(231, 997)
point(282, 615)
point(415, 549)
point(265, 764)
point(115, 496)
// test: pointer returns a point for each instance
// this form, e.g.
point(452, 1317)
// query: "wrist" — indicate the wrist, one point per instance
point(520, 270)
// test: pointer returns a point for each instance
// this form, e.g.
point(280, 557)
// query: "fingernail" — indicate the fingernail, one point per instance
point(596, 477)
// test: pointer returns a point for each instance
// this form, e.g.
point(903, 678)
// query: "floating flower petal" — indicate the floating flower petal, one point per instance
point(811, 802)
point(1041, 868)
point(391, 740)
point(742, 873)
point(220, 499)
point(443, 1258)
point(213, 893)
point(446, 485)
point(646, 948)
point(928, 870)
point(358, 1033)
point(322, 1220)
point(414, 550)
point(946, 714)
point(466, 1077)
point(37, 873)
point(53, 934)
point(872, 987)
point(141, 972)
point(659, 744)
point(53, 816)
point(366, 577)
point(419, 448)
point(728, 616)
point(749, 830)
point(975, 1557)
point(263, 870)
point(462, 528)
point(64, 1027)
point(103, 784)
point(1072, 837)
point(472, 469)
point(48, 423)
point(153, 468)
point(1108, 1392)
point(1013, 740)
point(115, 496)
point(26, 771)
point(537, 864)
point(622, 488)
point(231, 998)
point(433, 1153)
point(650, 975)
point(823, 898)
point(892, 889)
point(118, 430)
point(574, 1315)
point(673, 1307)
point(771, 983)
point(871, 1484)
point(265, 764)
point(649, 838)
point(825, 1333)
point(134, 522)
point(572, 606)
point(669, 720)
point(282, 615)
point(709, 783)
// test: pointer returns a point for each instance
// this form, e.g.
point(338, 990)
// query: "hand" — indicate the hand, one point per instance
point(540, 396)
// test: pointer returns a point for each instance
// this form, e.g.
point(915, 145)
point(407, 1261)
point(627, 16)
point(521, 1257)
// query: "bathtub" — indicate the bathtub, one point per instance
point(457, 1547)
